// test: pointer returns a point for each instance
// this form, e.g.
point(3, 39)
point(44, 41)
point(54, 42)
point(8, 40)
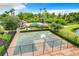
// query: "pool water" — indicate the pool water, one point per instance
point(77, 31)
point(25, 40)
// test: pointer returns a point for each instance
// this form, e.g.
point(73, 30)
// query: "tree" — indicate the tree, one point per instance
point(41, 16)
point(7, 13)
point(44, 16)
point(20, 15)
point(26, 16)
point(10, 23)
point(43, 13)
point(56, 26)
point(53, 15)
point(12, 11)
point(59, 15)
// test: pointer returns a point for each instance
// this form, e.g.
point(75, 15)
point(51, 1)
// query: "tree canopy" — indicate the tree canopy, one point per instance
point(11, 22)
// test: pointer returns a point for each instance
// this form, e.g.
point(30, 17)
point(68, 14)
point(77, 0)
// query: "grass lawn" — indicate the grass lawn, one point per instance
point(72, 27)
point(69, 35)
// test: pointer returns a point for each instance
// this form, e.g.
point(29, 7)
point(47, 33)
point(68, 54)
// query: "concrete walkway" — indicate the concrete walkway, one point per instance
point(73, 51)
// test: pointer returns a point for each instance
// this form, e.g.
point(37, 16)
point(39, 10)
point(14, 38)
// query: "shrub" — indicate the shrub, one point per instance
point(1, 29)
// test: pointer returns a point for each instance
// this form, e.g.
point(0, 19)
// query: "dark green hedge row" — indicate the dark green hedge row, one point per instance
point(69, 37)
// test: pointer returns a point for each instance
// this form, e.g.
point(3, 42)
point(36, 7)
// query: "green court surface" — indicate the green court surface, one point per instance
point(25, 40)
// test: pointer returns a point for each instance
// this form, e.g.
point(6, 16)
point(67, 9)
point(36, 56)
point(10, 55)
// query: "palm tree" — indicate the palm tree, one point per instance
point(59, 15)
point(40, 10)
point(53, 14)
point(6, 12)
point(45, 10)
point(12, 11)
point(41, 18)
point(44, 15)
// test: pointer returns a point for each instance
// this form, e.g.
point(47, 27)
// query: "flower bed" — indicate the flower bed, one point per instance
point(4, 45)
point(1, 42)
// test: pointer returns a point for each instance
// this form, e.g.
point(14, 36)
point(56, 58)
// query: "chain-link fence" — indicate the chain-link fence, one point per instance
point(38, 48)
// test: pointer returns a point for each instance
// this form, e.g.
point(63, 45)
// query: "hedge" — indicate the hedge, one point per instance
point(68, 34)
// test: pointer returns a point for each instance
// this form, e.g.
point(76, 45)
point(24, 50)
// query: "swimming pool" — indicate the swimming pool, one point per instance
point(77, 31)
point(26, 39)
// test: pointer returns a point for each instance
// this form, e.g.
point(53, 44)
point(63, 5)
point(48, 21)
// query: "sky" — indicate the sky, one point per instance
point(35, 7)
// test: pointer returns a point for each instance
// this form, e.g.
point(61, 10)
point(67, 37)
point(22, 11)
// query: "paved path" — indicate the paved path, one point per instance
point(73, 51)
point(10, 50)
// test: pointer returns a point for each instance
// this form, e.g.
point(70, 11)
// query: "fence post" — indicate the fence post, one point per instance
point(67, 44)
point(60, 44)
point(7, 53)
point(5, 48)
point(44, 46)
point(33, 48)
point(52, 45)
point(20, 50)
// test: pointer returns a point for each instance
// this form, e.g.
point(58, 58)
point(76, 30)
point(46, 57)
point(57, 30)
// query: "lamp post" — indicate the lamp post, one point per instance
point(43, 36)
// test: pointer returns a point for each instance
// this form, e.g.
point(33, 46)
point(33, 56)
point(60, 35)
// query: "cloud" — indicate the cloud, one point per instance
point(8, 6)
point(12, 5)
point(19, 6)
point(63, 11)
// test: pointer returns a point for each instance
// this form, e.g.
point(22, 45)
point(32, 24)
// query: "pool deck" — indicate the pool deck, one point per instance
point(71, 51)
point(13, 44)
